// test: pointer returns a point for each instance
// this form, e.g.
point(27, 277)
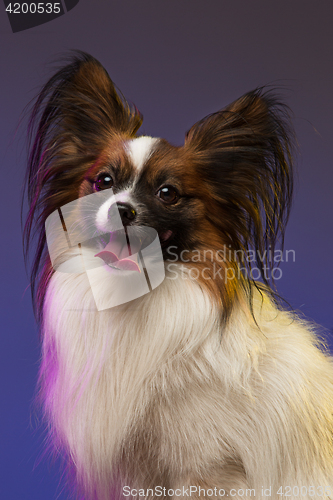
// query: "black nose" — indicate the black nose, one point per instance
point(126, 212)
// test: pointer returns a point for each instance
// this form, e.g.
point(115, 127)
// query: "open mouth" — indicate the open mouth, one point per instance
point(122, 248)
point(122, 252)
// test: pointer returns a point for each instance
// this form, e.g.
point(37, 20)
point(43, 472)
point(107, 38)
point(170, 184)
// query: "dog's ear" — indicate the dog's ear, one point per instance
point(78, 110)
point(76, 114)
point(244, 154)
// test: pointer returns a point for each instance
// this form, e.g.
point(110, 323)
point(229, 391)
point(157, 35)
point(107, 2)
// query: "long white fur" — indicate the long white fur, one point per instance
point(243, 406)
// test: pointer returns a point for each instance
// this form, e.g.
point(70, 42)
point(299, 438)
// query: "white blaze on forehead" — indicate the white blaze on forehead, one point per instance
point(140, 149)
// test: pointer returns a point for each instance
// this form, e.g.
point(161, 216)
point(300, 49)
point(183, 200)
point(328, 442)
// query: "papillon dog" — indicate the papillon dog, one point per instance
point(201, 384)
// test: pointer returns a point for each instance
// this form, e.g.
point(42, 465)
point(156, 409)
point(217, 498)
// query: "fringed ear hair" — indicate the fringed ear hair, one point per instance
point(244, 154)
point(75, 116)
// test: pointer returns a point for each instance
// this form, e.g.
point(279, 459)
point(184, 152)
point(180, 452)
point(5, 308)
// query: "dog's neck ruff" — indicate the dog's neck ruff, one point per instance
point(161, 369)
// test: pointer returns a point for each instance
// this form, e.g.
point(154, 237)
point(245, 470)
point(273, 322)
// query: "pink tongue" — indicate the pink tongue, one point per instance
point(124, 264)
point(166, 235)
point(108, 257)
point(117, 252)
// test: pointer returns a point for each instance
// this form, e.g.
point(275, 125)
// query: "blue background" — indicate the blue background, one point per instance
point(177, 60)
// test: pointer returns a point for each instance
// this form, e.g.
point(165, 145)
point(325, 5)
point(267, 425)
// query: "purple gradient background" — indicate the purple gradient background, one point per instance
point(177, 60)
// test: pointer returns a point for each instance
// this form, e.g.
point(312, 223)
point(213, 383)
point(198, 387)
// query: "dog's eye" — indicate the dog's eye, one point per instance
point(104, 181)
point(168, 194)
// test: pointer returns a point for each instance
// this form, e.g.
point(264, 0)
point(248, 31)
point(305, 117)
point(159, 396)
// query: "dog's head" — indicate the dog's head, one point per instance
point(227, 188)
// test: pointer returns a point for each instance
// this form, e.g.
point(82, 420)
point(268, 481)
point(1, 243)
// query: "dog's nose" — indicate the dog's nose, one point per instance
point(126, 212)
